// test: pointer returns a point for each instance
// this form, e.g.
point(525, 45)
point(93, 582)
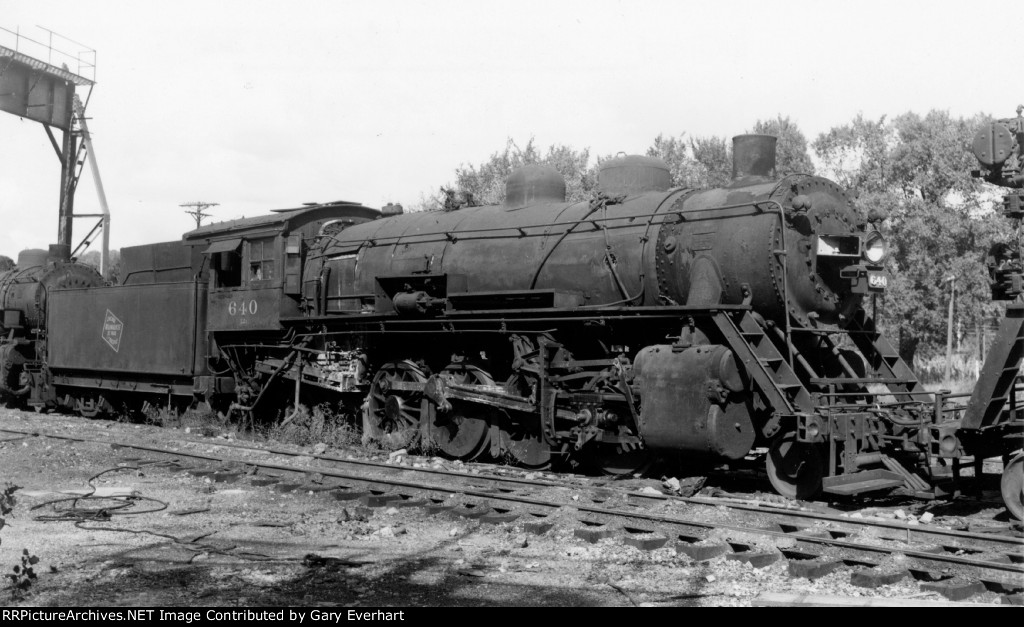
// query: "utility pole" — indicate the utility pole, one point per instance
point(198, 210)
point(949, 330)
point(981, 347)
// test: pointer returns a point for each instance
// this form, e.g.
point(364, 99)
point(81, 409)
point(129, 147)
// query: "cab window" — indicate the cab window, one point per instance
point(227, 269)
point(262, 260)
point(226, 262)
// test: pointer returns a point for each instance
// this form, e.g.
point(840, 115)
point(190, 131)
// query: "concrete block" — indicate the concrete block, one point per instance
point(702, 552)
point(757, 559)
point(348, 494)
point(226, 477)
point(377, 500)
point(593, 533)
point(433, 509)
point(260, 482)
point(954, 590)
point(813, 569)
point(538, 527)
point(471, 511)
point(645, 542)
point(870, 578)
point(496, 518)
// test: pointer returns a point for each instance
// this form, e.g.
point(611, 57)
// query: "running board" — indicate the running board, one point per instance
point(864, 481)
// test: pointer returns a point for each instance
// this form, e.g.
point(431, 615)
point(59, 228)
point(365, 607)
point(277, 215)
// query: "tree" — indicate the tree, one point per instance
point(791, 156)
point(914, 173)
point(714, 161)
point(428, 202)
point(675, 152)
point(485, 183)
point(856, 155)
point(92, 258)
point(6, 263)
point(931, 157)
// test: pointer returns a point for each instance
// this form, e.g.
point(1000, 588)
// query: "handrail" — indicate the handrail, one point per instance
point(783, 252)
point(520, 231)
point(84, 57)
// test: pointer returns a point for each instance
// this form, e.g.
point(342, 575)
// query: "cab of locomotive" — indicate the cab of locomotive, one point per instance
point(256, 264)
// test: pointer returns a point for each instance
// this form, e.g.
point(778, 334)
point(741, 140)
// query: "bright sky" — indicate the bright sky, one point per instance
point(259, 105)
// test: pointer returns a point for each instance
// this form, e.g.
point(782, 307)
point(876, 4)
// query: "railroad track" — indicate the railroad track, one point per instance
point(954, 563)
point(496, 476)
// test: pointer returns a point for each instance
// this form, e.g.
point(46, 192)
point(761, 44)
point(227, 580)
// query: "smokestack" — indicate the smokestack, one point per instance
point(59, 252)
point(753, 155)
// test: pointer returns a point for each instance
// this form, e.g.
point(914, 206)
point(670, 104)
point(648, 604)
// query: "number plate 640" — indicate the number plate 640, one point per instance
point(244, 308)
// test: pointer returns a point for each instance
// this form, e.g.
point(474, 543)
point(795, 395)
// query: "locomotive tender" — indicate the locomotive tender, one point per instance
point(645, 321)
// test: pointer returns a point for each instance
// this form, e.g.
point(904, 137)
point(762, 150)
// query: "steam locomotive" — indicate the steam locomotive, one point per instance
point(645, 322)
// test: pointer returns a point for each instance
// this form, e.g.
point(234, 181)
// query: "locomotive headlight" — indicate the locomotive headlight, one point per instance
point(813, 430)
point(875, 248)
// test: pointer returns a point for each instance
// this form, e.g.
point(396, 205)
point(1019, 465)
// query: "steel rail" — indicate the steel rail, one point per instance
point(693, 500)
point(617, 513)
point(581, 507)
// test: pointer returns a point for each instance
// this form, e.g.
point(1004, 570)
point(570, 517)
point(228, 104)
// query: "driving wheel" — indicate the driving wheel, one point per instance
point(395, 405)
point(463, 431)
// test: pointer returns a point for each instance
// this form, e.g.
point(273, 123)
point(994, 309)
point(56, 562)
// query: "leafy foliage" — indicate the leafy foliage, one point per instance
point(714, 158)
point(698, 162)
point(22, 575)
point(914, 173)
point(675, 152)
point(856, 155)
point(485, 183)
point(791, 156)
point(92, 258)
point(930, 158)
point(7, 503)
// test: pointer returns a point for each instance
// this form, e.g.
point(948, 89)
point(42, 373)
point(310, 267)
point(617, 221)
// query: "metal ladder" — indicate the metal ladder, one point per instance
point(765, 364)
point(884, 359)
point(994, 387)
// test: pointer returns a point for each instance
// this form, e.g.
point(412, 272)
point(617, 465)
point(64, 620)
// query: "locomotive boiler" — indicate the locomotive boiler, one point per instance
point(635, 244)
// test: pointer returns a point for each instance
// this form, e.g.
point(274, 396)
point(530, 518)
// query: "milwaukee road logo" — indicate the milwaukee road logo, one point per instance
point(112, 328)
